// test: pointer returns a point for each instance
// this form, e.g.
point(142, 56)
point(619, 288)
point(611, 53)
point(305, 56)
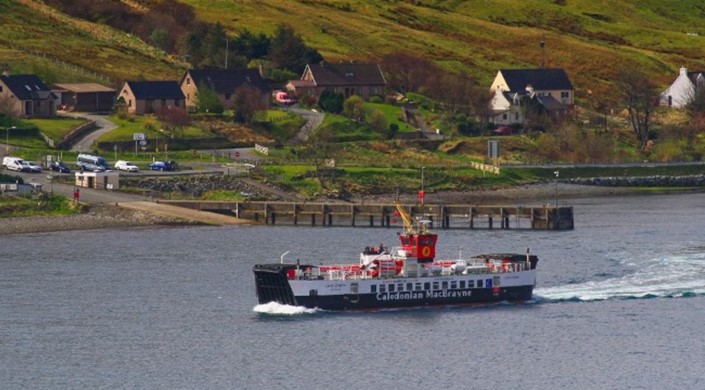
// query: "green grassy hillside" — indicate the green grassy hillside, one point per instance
point(38, 39)
point(591, 39)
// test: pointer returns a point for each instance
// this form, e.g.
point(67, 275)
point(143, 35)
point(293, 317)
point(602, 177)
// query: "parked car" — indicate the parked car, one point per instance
point(163, 166)
point(284, 98)
point(34, 167)
point(128, 166)
point(59, 166)
point(504, 130)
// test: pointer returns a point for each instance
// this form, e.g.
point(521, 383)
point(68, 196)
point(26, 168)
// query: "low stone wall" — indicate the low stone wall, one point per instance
point(75, 134)
point(645, 181)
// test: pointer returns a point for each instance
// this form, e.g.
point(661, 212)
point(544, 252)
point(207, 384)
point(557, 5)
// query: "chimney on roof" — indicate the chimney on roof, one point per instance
point(684, 71)
point(5, 70)
point(529, 89)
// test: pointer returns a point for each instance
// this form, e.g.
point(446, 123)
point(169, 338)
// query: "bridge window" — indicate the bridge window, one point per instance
point(427, 286)
point(462, 284)
point(391, 288)
point(471, 283)
point(479, 283)
point(417, 287)
point(435, 285)
point(373, 288)
point(444, 285)
point(453, 285)
point(409, 286)
point(382, 288)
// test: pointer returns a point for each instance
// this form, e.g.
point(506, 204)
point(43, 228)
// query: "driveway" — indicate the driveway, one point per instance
point(313, 120)
point(103, 126)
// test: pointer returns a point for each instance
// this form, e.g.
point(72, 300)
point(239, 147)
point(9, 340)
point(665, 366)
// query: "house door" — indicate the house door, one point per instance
point(28, 108)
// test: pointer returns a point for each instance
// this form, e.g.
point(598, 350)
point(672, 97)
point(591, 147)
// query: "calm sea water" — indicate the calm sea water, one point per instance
point(620, 304)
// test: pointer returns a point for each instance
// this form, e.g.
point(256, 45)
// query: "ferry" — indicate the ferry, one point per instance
point(405, 276)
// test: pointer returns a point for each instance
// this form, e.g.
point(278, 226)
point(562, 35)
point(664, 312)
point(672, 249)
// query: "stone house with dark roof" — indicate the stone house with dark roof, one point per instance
point(85, 97)
point(364, 80)
point(512, 89)
point(145, 97)
point(225, 83)
point(26, 96)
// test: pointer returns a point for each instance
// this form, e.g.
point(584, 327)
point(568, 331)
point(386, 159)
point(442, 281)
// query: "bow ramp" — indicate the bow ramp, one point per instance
point(165, 210)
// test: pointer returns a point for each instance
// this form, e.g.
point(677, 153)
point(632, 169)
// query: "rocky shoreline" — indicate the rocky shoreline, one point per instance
point(96, 217)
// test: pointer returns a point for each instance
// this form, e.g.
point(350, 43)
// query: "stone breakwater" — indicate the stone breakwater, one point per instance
point(196, 186)
point(645, 181)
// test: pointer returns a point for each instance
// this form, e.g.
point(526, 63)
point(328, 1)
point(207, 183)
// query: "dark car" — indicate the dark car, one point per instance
point(59, 166)
point(163, 166)
point(504, 130)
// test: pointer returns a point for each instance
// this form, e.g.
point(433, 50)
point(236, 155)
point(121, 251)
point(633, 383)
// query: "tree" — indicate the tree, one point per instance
point(320, 148)
point(696, 101)
point(247, 101)
point(330, 101)
point(207, 100)
point(287, 50)
point(159, 38)
point(378, 122)
point(639, 95)
point(252, 46)
point(174, 119)
point(354, 108)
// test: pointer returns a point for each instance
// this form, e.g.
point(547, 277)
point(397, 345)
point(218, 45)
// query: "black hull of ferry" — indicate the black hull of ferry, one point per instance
point(273, 286)
point(371, 301)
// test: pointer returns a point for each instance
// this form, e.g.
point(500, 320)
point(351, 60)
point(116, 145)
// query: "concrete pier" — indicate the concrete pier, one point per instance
point(543, 217)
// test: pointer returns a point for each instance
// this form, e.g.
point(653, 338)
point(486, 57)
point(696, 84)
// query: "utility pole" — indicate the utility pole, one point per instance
point(226, 52)
point(543, 51)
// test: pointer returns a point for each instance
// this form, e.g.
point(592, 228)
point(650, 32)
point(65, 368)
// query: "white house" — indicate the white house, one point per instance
point(681, 91)
point(550, 88)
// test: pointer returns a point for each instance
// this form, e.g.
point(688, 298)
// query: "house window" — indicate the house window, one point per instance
point(504, 116)
point(565, 95)
point(188, 81)
point(188, 97)
point(176, 103)
point(129, 103)
point(0, 88)
point(516, 115)
point(227, 96)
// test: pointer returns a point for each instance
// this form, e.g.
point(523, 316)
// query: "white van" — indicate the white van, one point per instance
point(15, 164)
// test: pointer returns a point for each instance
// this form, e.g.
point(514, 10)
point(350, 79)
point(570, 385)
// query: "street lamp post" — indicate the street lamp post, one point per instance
point(557, 173)
point(7, 139)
